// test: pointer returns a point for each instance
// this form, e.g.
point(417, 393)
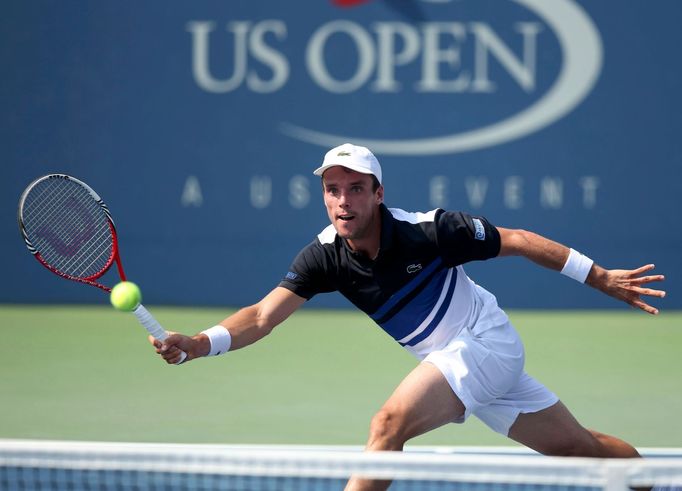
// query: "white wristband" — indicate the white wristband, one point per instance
point(220, 340)
point(577, 266)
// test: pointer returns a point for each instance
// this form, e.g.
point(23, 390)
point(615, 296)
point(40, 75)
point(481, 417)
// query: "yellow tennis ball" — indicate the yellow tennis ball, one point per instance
point(126, 296)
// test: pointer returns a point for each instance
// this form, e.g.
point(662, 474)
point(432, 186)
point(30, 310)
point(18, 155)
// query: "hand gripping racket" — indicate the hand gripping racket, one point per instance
point(69, 230)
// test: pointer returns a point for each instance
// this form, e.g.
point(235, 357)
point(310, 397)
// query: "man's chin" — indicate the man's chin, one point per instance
point(344, 233)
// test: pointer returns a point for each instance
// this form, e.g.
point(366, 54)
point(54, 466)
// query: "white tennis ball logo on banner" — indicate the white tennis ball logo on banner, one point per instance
point(582, 61)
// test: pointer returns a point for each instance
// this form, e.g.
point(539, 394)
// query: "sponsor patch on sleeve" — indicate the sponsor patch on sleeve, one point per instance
point(291, 276)
point(479, 233)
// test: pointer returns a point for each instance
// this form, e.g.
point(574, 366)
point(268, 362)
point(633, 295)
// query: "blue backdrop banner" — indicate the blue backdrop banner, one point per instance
point(200, 123)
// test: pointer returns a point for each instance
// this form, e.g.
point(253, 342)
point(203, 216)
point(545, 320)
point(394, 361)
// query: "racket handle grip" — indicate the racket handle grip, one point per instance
point(153, 327)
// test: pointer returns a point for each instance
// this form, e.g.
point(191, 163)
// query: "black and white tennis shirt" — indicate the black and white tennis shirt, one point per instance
point(416, 289)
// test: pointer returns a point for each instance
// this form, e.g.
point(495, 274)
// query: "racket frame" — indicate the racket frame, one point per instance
point(113, 257)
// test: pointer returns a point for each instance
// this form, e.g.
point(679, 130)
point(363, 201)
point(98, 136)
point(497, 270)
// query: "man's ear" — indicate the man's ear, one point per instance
point(379, 195)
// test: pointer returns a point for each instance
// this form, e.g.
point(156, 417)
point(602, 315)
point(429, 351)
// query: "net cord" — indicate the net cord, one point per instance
point(607, 474)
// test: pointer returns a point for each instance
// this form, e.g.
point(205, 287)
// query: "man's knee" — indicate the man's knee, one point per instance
point(612, 447)
point(386, 431)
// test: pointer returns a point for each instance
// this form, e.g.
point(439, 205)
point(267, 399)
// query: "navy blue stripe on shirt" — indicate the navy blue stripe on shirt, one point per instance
point(398, 296)
point(439, 315)
point(413, 313)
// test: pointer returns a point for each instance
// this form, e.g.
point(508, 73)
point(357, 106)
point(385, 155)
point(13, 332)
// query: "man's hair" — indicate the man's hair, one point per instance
point(375, 181)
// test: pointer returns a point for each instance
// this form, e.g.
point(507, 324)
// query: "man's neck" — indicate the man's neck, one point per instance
point(369, 247)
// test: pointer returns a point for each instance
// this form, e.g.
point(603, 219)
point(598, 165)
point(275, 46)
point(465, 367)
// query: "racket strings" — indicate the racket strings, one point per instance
point(73, 243)
point(91, 258)
point(40, 216)
point(44, 212)
point(63, 233)
point(35, 211)
point(82, 241)
point(68, 227)
point(95, 257)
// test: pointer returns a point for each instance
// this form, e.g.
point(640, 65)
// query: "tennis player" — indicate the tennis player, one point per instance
point(405, 271)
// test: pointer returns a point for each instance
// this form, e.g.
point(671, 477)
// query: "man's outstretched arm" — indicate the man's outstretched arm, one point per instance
point(622, 284)
point(245, 327)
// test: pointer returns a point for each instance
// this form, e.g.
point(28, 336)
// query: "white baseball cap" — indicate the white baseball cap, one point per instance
point(353, 157)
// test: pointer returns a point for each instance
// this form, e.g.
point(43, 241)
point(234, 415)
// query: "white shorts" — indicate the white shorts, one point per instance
point(485, 370)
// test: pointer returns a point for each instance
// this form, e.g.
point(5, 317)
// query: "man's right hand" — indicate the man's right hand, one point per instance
point(171, 348)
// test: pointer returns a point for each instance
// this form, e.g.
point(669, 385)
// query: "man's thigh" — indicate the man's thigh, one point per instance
point(423, 401)
point(551, 431)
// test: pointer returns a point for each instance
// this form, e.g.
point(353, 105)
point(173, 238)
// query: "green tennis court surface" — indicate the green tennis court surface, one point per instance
point(88, 373)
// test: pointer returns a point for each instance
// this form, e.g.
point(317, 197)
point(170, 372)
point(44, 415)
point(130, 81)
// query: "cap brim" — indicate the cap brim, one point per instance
point(362, 170)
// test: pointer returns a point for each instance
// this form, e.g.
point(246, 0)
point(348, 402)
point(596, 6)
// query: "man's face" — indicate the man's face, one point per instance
point(352, 204)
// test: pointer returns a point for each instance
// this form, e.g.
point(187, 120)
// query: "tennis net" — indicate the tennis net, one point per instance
point(54, 465)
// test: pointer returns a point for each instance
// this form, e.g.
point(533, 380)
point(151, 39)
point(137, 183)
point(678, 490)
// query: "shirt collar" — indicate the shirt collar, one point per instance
point(386, 240)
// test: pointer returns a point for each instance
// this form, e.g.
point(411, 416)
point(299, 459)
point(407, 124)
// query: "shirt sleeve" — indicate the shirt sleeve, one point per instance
point(463, 238)
point(307, 275)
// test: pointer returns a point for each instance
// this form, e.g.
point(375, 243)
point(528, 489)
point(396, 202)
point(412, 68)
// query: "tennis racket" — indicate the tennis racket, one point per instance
point(69, 230)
